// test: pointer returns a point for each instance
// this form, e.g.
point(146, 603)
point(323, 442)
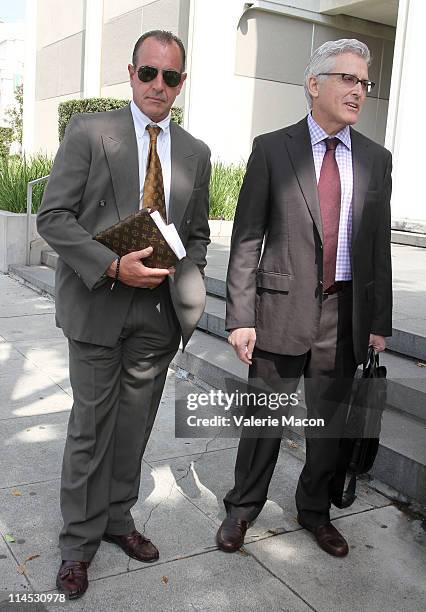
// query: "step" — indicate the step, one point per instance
point(408, 341)
point(211, 360)
point(49, 258)
point(40, 277)
point(213, 318)
point(406, 389)
point(401, 461)
point(408, 238)
point(215, 287)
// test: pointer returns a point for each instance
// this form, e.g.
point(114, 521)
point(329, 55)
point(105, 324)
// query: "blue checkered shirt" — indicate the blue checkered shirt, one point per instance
point(344, 163)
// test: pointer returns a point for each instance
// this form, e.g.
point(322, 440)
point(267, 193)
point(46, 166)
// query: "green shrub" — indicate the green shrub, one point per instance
point(85, 105)
point(15, 173)
point(225, 185)
point(95, 105)
point(177, 114)
point(6, 135)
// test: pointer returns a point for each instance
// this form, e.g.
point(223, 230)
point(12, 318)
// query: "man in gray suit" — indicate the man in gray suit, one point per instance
point(316, 197)
point(123, 320)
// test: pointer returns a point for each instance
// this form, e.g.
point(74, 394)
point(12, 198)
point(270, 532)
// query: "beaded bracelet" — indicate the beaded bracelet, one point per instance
point(117, 272)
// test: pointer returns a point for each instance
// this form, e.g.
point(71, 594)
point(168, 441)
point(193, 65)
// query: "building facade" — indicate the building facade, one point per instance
point(245, 68)
point(11, 65)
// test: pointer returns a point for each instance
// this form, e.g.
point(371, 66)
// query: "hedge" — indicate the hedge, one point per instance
point(95, 105)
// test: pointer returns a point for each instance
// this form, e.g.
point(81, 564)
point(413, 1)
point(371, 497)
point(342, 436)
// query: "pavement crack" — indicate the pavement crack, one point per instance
point(18, 563)
point(265, 567)
point(152, 462)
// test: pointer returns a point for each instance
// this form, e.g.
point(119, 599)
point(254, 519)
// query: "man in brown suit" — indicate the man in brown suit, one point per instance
point(316, 196)
point(123, 320)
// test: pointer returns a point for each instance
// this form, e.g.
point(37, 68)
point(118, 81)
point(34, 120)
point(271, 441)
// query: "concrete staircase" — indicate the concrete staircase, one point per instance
point(401, 461)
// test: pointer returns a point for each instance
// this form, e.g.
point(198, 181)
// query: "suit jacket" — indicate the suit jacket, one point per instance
point(93, 184)
point(278, 290)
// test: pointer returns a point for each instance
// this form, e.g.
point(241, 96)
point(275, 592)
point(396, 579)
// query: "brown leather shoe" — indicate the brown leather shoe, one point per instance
point(72, 578)
point(329, 539)
point(230, 536)
point(135, 545)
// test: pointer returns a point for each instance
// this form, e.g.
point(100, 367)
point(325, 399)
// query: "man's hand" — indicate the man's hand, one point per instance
point(243, 340)
point(377, 342)
point(133, 273)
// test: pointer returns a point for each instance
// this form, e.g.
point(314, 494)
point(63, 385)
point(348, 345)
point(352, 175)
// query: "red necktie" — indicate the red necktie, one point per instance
point(329, 192)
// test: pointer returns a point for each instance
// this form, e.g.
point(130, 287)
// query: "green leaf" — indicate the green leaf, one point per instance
point(15, 173)
point(9, 537)
point(225, 185)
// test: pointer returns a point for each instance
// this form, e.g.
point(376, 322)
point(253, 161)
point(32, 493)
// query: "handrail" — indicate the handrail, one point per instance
point(29, 212)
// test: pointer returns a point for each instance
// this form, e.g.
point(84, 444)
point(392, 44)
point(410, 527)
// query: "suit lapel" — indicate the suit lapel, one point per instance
point(361, 163)
point(120, 146)
point(300, 150)
point(184, 167)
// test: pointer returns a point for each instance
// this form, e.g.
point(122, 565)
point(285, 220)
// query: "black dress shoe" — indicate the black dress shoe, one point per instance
point(135, 545)
point(230, 536)
point(328, 538)
point(72, 578)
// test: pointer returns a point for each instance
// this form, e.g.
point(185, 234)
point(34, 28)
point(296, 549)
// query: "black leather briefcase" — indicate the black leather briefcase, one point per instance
point(360, 443)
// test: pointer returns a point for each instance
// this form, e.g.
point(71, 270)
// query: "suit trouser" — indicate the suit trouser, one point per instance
point(116, 396)
point(328, 369)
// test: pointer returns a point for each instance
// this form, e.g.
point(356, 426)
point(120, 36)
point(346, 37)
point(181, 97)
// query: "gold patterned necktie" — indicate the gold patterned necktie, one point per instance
point(153, 189)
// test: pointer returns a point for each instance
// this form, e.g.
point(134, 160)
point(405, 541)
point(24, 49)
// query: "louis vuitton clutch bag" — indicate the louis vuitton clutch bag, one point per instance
point(140, 230)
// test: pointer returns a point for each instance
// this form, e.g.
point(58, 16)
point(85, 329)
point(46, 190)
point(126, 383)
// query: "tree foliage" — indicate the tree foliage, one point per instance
point(15, 113)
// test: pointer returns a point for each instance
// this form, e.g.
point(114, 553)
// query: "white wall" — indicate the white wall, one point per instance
point(246, 70)
point(219, 104)
point(11, 65)
point(406, 129)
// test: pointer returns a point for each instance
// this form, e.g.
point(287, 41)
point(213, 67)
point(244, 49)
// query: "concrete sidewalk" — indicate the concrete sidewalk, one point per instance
point(183, 483)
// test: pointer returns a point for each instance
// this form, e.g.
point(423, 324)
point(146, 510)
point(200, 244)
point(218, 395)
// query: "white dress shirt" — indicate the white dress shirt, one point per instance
point(163, 149)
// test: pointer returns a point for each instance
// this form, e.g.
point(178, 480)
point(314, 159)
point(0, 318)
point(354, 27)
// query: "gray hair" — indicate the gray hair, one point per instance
point(322, 60)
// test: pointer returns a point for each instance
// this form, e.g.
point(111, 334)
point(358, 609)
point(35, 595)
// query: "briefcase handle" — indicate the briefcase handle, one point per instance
point(372, 360)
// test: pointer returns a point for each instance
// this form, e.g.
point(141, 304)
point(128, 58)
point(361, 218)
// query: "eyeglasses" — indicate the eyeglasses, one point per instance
point(351, 80)
point(171, 78)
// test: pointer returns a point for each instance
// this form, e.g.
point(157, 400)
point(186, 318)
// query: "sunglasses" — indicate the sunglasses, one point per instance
point(171, 78)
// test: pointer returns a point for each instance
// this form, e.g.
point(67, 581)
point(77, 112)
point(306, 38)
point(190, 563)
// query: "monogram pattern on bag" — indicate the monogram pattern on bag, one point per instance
point(135, 232)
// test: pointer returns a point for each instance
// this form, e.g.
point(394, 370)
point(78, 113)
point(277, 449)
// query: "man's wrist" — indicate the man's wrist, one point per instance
point(111, 270)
